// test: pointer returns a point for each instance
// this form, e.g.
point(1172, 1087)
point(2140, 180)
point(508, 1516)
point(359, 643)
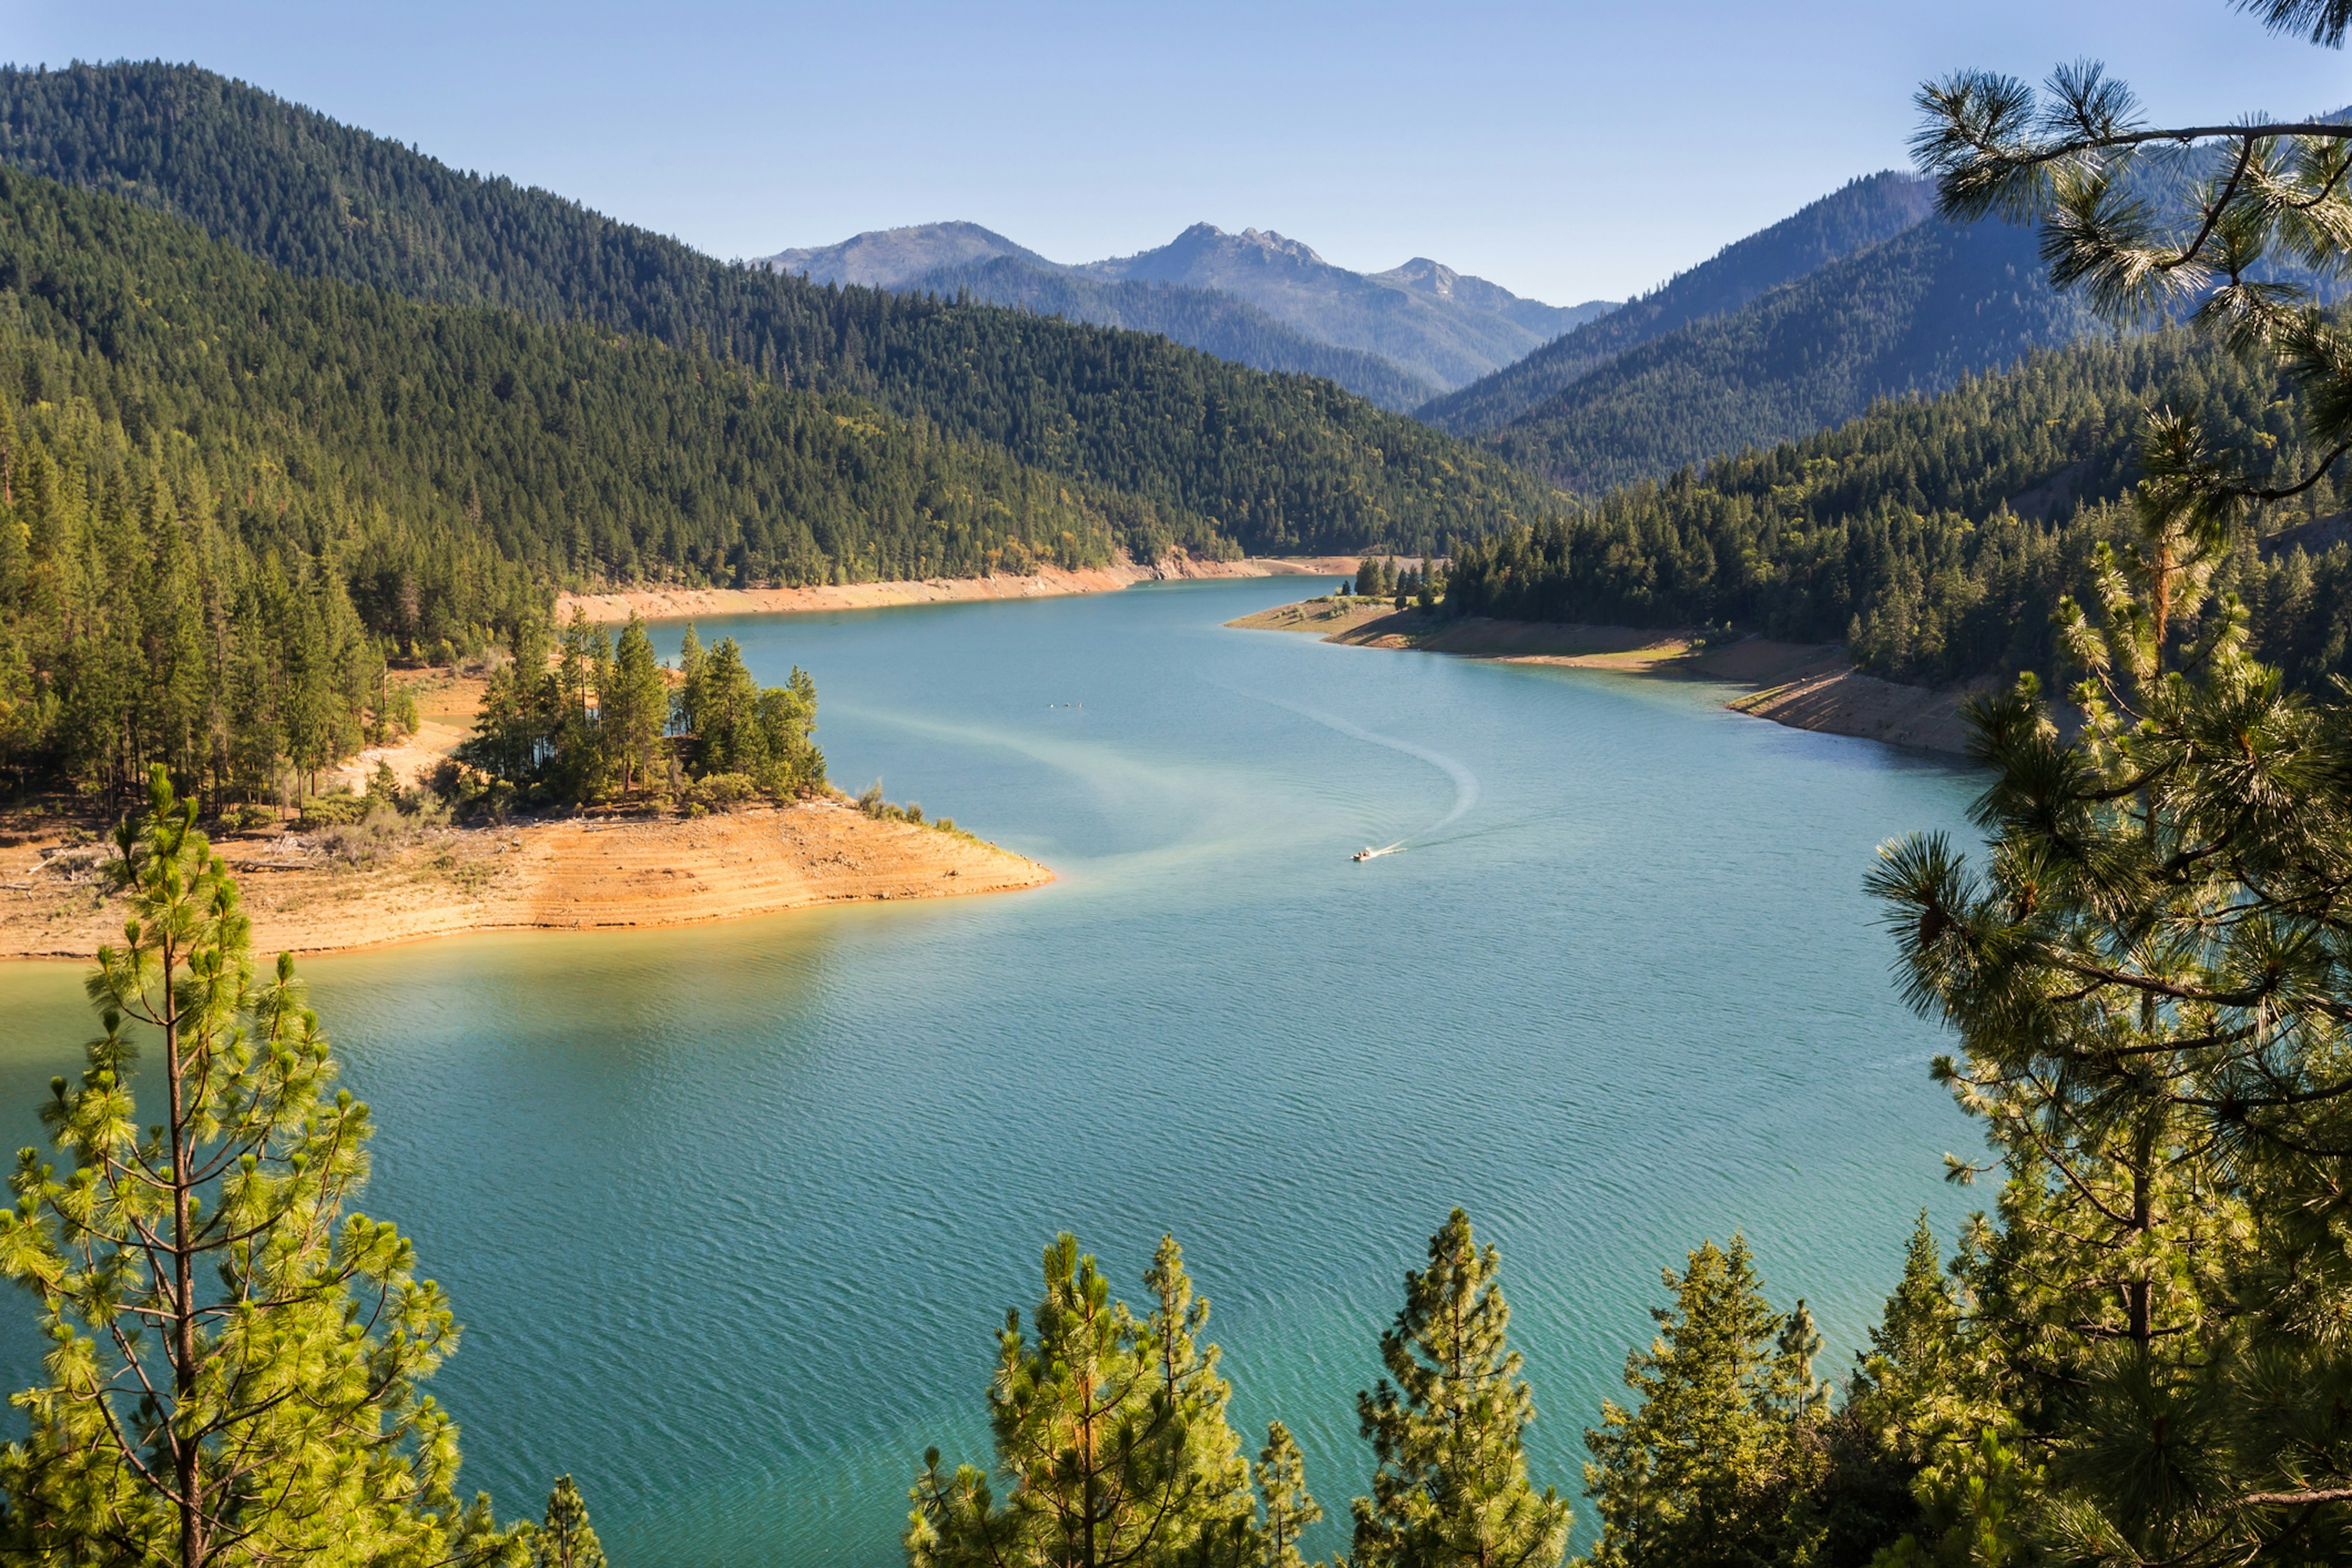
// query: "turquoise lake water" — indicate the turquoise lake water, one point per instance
point(732, 1214)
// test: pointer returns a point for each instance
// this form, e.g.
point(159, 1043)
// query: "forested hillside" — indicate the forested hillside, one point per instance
point(1273, 462)
point(232, 490)
point(1910, 315)
point(1863, 213)
point(1935, 535)
point(570, 451)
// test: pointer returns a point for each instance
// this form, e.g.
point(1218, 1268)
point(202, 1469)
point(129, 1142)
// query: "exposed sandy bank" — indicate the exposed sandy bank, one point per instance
point(566, 874)
point(1844, 701)
point(1374, 623)
point(1807, 686)
point(317, 892)
point(676, 604)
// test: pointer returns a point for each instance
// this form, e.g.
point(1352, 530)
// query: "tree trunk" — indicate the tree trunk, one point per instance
point(186, 1455)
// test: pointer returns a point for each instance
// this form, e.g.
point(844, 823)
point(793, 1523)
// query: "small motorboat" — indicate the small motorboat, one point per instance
point(1363, 854)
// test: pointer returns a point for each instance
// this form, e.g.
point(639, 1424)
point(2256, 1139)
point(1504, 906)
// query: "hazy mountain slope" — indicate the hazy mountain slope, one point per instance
point(945, 257)
point(1439, 282)
point(1443, 338)
point(1864, 213)
point(1203, 319)
point(1910, 315)
point(893, 257)
point(1274, 463)
point(1258, 299)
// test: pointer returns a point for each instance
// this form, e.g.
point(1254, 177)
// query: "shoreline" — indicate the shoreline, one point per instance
point(306, 894)
point(1804, 685)
point(402, 877)
point(670, 603)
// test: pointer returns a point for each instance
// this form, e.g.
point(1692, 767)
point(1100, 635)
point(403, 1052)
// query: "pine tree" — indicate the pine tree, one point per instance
point(690, 662)
point(1791, 1393)
point(2143, 977)
point(1445, 1426)
point(725, 703)
point(1112, 1436)
point(9, 451)
point(787, 719)
point(1905, 1388)
point(566, 1540)
point(579, 760)
point(636, 711)
point(510, 727)
point(234, 1361)
point(1288, 1508)
point(1906, 1396)
point(1938, 1480)
point(1713, 1464)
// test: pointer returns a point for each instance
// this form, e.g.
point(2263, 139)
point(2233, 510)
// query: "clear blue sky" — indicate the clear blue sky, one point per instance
point(1566, 151)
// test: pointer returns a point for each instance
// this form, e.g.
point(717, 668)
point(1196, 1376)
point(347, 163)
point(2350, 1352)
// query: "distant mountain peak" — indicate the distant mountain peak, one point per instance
point(1268, 240)
point(1205, 241)
point(1441, 325)
point(1423, 276)
point(1436, 281)
point(891, 258)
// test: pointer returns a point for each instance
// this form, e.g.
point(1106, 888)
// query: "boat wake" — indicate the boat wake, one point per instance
point(1465, 783)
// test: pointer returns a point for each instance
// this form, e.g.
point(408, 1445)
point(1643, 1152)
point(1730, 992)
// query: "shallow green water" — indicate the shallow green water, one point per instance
point(732, 1214)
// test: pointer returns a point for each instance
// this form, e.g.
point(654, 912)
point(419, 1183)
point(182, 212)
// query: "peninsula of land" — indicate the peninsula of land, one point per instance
point(305, 894)
point(394, 878)
point(1806, 686)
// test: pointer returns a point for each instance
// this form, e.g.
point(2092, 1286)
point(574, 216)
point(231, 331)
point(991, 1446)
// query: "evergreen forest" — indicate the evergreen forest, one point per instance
point(1936, 536)
point(1273, 463)
point(231, 495)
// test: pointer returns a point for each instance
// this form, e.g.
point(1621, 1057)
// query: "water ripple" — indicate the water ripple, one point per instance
point(733, 1214)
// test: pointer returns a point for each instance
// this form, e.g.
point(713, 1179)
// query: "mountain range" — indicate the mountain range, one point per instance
point(1864, 295)
point(1860, 295)
point(1398, 338)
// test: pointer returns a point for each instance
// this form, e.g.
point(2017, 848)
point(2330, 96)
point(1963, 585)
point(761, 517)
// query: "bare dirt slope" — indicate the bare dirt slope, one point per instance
point(1844, 701)
point(676, 604)
point(1807, 686)
point(1376, 622)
